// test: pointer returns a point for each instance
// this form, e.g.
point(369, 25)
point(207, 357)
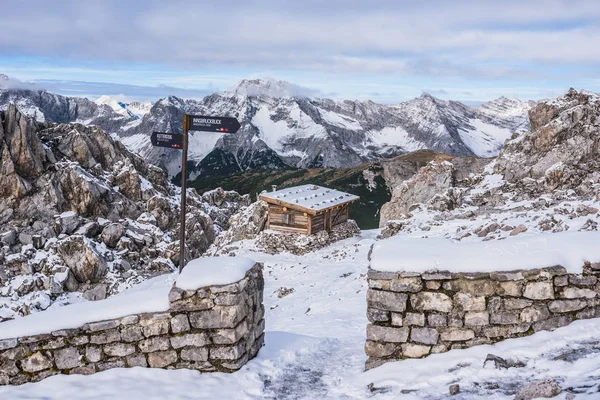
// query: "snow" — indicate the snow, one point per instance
point(153, 297)
point(340, 120)
point(310, 196)
point(485, 140)
point(208, 271)
point(396, 136)
point(568, 249)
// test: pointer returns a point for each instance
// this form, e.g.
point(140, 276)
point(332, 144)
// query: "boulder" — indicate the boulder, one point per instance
point(66, 222)
point(112, 234)
point(545, 388)
point(83, 259)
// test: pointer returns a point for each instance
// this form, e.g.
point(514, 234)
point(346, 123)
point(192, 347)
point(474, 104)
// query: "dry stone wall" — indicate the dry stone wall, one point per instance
point(214, 328)
point(413, 315)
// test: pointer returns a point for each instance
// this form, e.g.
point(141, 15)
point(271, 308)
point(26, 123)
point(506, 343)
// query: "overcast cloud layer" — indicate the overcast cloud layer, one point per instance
point(548, 45)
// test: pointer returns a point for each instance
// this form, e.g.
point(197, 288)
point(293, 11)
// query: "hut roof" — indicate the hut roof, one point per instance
point(310, 197)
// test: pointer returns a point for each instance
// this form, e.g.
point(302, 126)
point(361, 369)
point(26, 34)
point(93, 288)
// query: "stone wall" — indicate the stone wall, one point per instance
point(214, 328)
point(413, 315)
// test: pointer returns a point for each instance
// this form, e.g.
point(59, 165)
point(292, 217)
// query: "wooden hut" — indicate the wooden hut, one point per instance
point(306, 209)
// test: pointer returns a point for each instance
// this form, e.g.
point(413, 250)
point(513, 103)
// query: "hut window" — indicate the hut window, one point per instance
point(288, 219)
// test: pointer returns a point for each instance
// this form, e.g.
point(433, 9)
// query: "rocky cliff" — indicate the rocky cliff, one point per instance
point(545, 179)
point(81, 216)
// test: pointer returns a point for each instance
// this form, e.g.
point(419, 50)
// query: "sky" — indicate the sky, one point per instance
point(383, 50)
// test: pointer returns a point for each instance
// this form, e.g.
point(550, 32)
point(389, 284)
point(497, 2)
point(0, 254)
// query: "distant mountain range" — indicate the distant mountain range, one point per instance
point(282, 127)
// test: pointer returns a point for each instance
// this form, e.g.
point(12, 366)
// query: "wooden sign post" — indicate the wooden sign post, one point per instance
point(175, 141)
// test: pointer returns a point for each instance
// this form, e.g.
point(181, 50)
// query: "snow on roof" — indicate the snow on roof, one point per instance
point(568, 249)
point(312, 197)
point(207, 271)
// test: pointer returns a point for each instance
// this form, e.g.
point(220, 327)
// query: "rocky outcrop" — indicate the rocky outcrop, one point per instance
point(73, 199)
point(563, 148)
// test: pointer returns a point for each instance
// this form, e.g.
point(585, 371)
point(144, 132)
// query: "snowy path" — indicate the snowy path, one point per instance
point(314, 350)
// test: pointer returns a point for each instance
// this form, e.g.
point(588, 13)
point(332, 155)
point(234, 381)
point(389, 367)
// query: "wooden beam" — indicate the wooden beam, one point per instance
point(304, 209)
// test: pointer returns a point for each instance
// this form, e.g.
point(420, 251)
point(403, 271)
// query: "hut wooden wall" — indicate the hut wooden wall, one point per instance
point(277, 220)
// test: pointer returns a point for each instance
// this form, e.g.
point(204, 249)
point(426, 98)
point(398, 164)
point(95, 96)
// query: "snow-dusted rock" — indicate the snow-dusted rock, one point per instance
point(112, 234)
point(84, 261)
point(546, 388)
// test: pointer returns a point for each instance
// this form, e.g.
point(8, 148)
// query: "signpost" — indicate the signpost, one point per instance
point(176, 141)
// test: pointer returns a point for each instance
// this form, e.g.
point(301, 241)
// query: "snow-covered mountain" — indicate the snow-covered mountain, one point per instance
point(284, 125)
point(135, 110)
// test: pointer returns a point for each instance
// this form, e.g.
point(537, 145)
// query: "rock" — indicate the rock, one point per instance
point(546, 388)
point(111, 234)
point(387, 300)
point(36, 362)
point(67, 358)
point(83, 260)
point(9, 238)
point(89, 229)
point(25, 238)
point(424, 335)
point(500, 362)
point(415, 350)
point(430, 301)
point(67, 222)
point(454, 389)
point(539, 290)
point(379, 350)
point(378, 333)
point(38, 241)
point(161, 359)
point(97, 292)
point(283, 291)
point(457, 334)
point(519, 229)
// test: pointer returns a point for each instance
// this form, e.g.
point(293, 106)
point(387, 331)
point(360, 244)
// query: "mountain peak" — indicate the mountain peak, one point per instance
point(269, 87)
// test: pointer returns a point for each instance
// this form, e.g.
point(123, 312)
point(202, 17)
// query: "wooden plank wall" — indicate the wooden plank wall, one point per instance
point(276, 220)
point(317, 223)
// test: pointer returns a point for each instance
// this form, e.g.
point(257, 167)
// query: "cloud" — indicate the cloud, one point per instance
point(471, 38)
point(96, 89)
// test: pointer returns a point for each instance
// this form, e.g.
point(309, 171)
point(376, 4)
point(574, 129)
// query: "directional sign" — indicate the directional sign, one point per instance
point(170, 140)
point(213, 124)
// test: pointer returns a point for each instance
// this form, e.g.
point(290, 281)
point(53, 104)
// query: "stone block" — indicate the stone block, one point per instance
point(153, 344)
point(413, 319)
point(563, 306)
point(197, 354)
point(431, 301)
point(535, 313)
point(190, 339)
point(387, 334)
point(79, 340)
point(233, 335)
point(437, 276)
point(136, 360)
point(230, 299)
point(218, 317)
point(375, 315)
point(577, 293)
point(552, 323)
point(504, 318)
point(389, 301)
point(412, 350)
point(106, 365)
point(516, 304)
point(440, 348)
point(456, 334)
point(433, 285)
point(496, 331)
point(579, 280)
point(379, 284)
point(379, 350)
point(93, 354)
point(232, 352)
point(83, 370)
point(412, 285)
point(479, 318)
point(424, 335)
point(36, 362)
point(192, 304)
point(384, 275)
point(235, 364)
point(180, 323)
point(506, 276)
point(132, 333)
point(539, 290)
point(397, 319)
point(481, 287)
point(511, 288)
point(437, 320)
point(162, 359)
point(119, 349)
point(560, 281)
point(130, 320)
point(67, 358)
point(106, 337)
point(6, 344)
point(466, 302)
point(102, 325)
point(55, 344)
